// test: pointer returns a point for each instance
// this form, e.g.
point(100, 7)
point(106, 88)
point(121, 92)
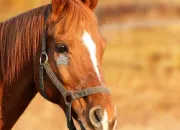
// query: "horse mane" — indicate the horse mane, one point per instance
point(21, 35)
point(19, 38)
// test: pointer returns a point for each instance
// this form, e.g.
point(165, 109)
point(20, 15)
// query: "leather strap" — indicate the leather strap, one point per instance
point(41, 83)
point(90, 91)
point(44, 65)
point(54, 79)
point(65, 93)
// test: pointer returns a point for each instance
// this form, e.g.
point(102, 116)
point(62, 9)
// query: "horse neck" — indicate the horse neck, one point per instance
point(1, 77)
point(15, 97)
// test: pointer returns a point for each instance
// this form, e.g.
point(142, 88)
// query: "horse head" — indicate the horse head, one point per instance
point(74, 48)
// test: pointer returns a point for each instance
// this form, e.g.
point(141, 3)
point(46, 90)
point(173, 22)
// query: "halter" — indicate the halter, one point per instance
point(68, 96)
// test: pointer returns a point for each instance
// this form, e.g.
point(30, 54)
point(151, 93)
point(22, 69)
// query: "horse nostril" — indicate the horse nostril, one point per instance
point(96, 116)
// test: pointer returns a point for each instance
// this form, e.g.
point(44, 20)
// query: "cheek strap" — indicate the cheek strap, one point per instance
point(68, 96)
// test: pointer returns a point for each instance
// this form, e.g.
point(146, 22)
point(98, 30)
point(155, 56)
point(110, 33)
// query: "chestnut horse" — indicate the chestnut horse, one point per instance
point(64, 36)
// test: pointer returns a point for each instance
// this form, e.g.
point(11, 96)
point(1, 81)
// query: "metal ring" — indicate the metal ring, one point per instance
point(46, 58)
point(68, 98)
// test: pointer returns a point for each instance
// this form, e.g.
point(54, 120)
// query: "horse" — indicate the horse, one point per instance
point(55, 50)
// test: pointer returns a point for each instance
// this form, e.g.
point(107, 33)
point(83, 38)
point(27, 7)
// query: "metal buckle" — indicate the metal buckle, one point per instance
point(43, 61)
point(68, 98)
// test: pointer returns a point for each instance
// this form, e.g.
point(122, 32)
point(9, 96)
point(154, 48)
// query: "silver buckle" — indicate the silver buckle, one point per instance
point(43, 55)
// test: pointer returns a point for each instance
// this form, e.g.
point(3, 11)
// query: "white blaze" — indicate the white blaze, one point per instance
point(91, 46)
point(104, 122)
point(115, 125)
point(115, 109)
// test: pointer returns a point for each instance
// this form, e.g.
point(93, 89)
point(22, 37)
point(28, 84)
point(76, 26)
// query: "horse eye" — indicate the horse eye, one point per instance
point(61, 48)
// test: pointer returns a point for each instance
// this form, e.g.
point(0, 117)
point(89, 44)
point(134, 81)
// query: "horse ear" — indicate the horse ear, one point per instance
point(90, 3)
point(58, 5)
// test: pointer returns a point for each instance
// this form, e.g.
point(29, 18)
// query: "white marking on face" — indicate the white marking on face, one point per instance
point(62, 60)
point(115, 124)
point(104, 122)
point(91, 46)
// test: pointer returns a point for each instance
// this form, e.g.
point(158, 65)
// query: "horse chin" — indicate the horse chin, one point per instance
point(81, 125)
point(84, 126)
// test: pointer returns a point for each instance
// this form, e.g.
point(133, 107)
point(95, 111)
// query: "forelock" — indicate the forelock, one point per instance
point(75, 17)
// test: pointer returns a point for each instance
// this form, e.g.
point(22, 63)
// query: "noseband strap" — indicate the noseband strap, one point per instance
point(68, 96)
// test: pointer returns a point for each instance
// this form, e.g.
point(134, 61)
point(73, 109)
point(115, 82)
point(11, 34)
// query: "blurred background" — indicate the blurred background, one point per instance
point(141, 64)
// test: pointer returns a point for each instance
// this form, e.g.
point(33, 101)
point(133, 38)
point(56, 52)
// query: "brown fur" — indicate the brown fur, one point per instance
point(19, 38)
point(68, 21)
point(20, 48)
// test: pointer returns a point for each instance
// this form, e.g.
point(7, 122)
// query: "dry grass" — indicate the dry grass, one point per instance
point(142, 66)
point(13, 7)
point(142, 69)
